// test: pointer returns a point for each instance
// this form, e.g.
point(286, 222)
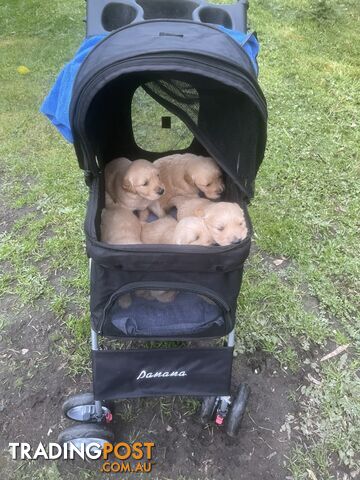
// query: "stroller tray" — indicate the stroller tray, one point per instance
point(160, 372)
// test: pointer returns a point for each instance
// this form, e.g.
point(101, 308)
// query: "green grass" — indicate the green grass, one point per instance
point(306, 207)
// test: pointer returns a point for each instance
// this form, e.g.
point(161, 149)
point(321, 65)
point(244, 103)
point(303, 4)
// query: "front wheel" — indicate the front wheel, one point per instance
point(81, 408)
point(86, 434)
point(237, 410)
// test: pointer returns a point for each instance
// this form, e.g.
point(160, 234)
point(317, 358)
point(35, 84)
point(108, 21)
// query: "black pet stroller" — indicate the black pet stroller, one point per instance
point(180, 55)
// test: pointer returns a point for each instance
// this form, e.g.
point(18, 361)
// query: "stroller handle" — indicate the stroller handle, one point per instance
point(104, 16)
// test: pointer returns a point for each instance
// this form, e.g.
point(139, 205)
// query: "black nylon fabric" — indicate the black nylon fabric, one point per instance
point(106, 282)
point(146, 373)
point(161, 36)
point(231, 120)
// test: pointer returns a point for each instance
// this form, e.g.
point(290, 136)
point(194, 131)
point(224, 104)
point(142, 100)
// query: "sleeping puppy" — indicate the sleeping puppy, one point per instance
point(189, 231)
point(133, 185)
point(224, 220)
point(192, 231)
point(120, 226)
point(189, 175)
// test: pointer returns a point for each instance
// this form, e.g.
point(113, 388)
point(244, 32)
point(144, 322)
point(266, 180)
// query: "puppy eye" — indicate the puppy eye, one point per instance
point(220, 228)
point(208, 185)
point(146, 183)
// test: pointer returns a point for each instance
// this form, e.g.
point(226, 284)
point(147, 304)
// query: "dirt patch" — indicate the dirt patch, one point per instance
point(35, 384)
point(32, 375)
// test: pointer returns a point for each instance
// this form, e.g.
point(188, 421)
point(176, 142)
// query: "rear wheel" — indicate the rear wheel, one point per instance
point(207, 410)
point(237, 410)
point(85, 435)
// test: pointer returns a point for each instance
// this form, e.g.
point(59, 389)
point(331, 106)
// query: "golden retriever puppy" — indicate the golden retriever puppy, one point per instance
point(192, 231)
point(159, 231)
point(188, 175)
point(133, 185)
point(224, 220)
point(120, 226)
point(189, 231)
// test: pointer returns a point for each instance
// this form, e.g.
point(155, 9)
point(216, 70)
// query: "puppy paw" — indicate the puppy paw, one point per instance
point(157, 209)
point(144, 215)
point(164, 296)
point(125, 301)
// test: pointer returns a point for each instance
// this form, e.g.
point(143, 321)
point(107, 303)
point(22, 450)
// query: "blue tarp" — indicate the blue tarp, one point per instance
point(57, 104)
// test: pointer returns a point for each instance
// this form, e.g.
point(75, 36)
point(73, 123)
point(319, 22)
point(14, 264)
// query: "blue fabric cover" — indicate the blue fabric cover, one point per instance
point(57, 104)
point(249, 42)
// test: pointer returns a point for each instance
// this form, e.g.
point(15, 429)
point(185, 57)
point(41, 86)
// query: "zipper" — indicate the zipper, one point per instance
point(184, 287)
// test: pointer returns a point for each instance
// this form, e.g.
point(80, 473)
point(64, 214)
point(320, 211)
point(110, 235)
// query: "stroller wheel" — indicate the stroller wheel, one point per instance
point(81, 408)
point(237, 410)
point(85, 435)
point(207, 410)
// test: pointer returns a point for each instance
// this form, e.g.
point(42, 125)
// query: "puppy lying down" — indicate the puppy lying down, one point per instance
point(224, 220)
point(189, 231)
point(120, 226)
point(188, 175)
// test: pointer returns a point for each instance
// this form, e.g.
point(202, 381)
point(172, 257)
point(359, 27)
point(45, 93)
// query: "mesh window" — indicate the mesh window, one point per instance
point(222, 121)
point(155, 129)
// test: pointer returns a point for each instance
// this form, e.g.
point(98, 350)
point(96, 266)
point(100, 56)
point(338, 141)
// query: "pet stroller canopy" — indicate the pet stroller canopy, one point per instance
point(196, 71)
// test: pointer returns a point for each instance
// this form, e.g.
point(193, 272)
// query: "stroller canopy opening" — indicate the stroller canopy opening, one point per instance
point(196, 72)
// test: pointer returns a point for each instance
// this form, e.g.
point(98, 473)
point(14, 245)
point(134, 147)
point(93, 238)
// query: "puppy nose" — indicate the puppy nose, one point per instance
point(160, 191)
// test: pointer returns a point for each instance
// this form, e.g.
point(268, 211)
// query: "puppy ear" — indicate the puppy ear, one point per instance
point(188, 178)
point(127, 185)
